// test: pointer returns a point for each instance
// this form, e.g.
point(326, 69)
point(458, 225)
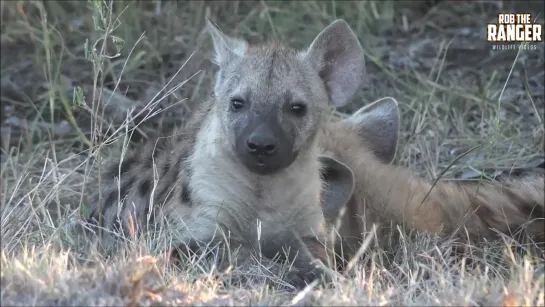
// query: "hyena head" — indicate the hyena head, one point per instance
point(270, 98)
point(372, 129)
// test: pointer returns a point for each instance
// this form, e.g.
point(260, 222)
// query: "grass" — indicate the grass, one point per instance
point(83, 81)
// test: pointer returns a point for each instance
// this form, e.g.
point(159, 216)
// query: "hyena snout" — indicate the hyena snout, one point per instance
point(262, 142)
point(264, 147)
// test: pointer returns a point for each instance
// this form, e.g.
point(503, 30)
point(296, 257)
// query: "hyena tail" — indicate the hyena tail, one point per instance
point(466, 209)
point(512, 206)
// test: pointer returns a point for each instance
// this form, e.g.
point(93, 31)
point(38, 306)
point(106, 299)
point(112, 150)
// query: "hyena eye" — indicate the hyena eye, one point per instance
point(237, 104)
point(298, 109)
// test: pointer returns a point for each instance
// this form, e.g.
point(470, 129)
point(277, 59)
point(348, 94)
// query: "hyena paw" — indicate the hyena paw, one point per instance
point(299, 278)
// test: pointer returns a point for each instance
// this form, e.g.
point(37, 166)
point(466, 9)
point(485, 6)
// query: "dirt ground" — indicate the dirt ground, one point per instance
point(456, 93)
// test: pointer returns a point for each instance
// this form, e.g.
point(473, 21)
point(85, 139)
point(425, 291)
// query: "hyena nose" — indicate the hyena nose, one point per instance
point(261, 144)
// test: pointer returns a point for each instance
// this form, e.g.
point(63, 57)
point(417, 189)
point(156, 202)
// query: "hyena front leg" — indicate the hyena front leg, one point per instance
point(302, 254)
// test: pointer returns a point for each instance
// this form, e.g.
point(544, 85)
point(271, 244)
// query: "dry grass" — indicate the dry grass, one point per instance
point(455, 93)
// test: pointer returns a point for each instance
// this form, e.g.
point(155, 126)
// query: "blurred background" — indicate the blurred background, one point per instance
point(432, 56)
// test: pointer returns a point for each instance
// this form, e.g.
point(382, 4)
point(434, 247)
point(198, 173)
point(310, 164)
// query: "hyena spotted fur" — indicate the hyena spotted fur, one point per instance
point(366, 142)
point(249, 153)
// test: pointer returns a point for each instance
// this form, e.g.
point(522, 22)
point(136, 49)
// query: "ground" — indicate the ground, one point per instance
point(467, 111)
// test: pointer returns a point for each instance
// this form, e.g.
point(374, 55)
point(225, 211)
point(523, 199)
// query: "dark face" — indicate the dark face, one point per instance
point(264, 142)
point(272, 108)
point(270, 98)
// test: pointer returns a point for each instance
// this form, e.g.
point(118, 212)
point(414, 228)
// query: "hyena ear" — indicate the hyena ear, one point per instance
point(339, 183)
point(338, 56)
point(378, 124)
point(225, 47)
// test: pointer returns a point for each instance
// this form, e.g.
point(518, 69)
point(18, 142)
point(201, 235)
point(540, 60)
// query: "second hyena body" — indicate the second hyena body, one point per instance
point(250, 154)
point(386, 194)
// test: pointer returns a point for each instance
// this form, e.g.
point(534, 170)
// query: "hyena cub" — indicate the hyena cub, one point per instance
point(250, 153)
point(366, 142)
